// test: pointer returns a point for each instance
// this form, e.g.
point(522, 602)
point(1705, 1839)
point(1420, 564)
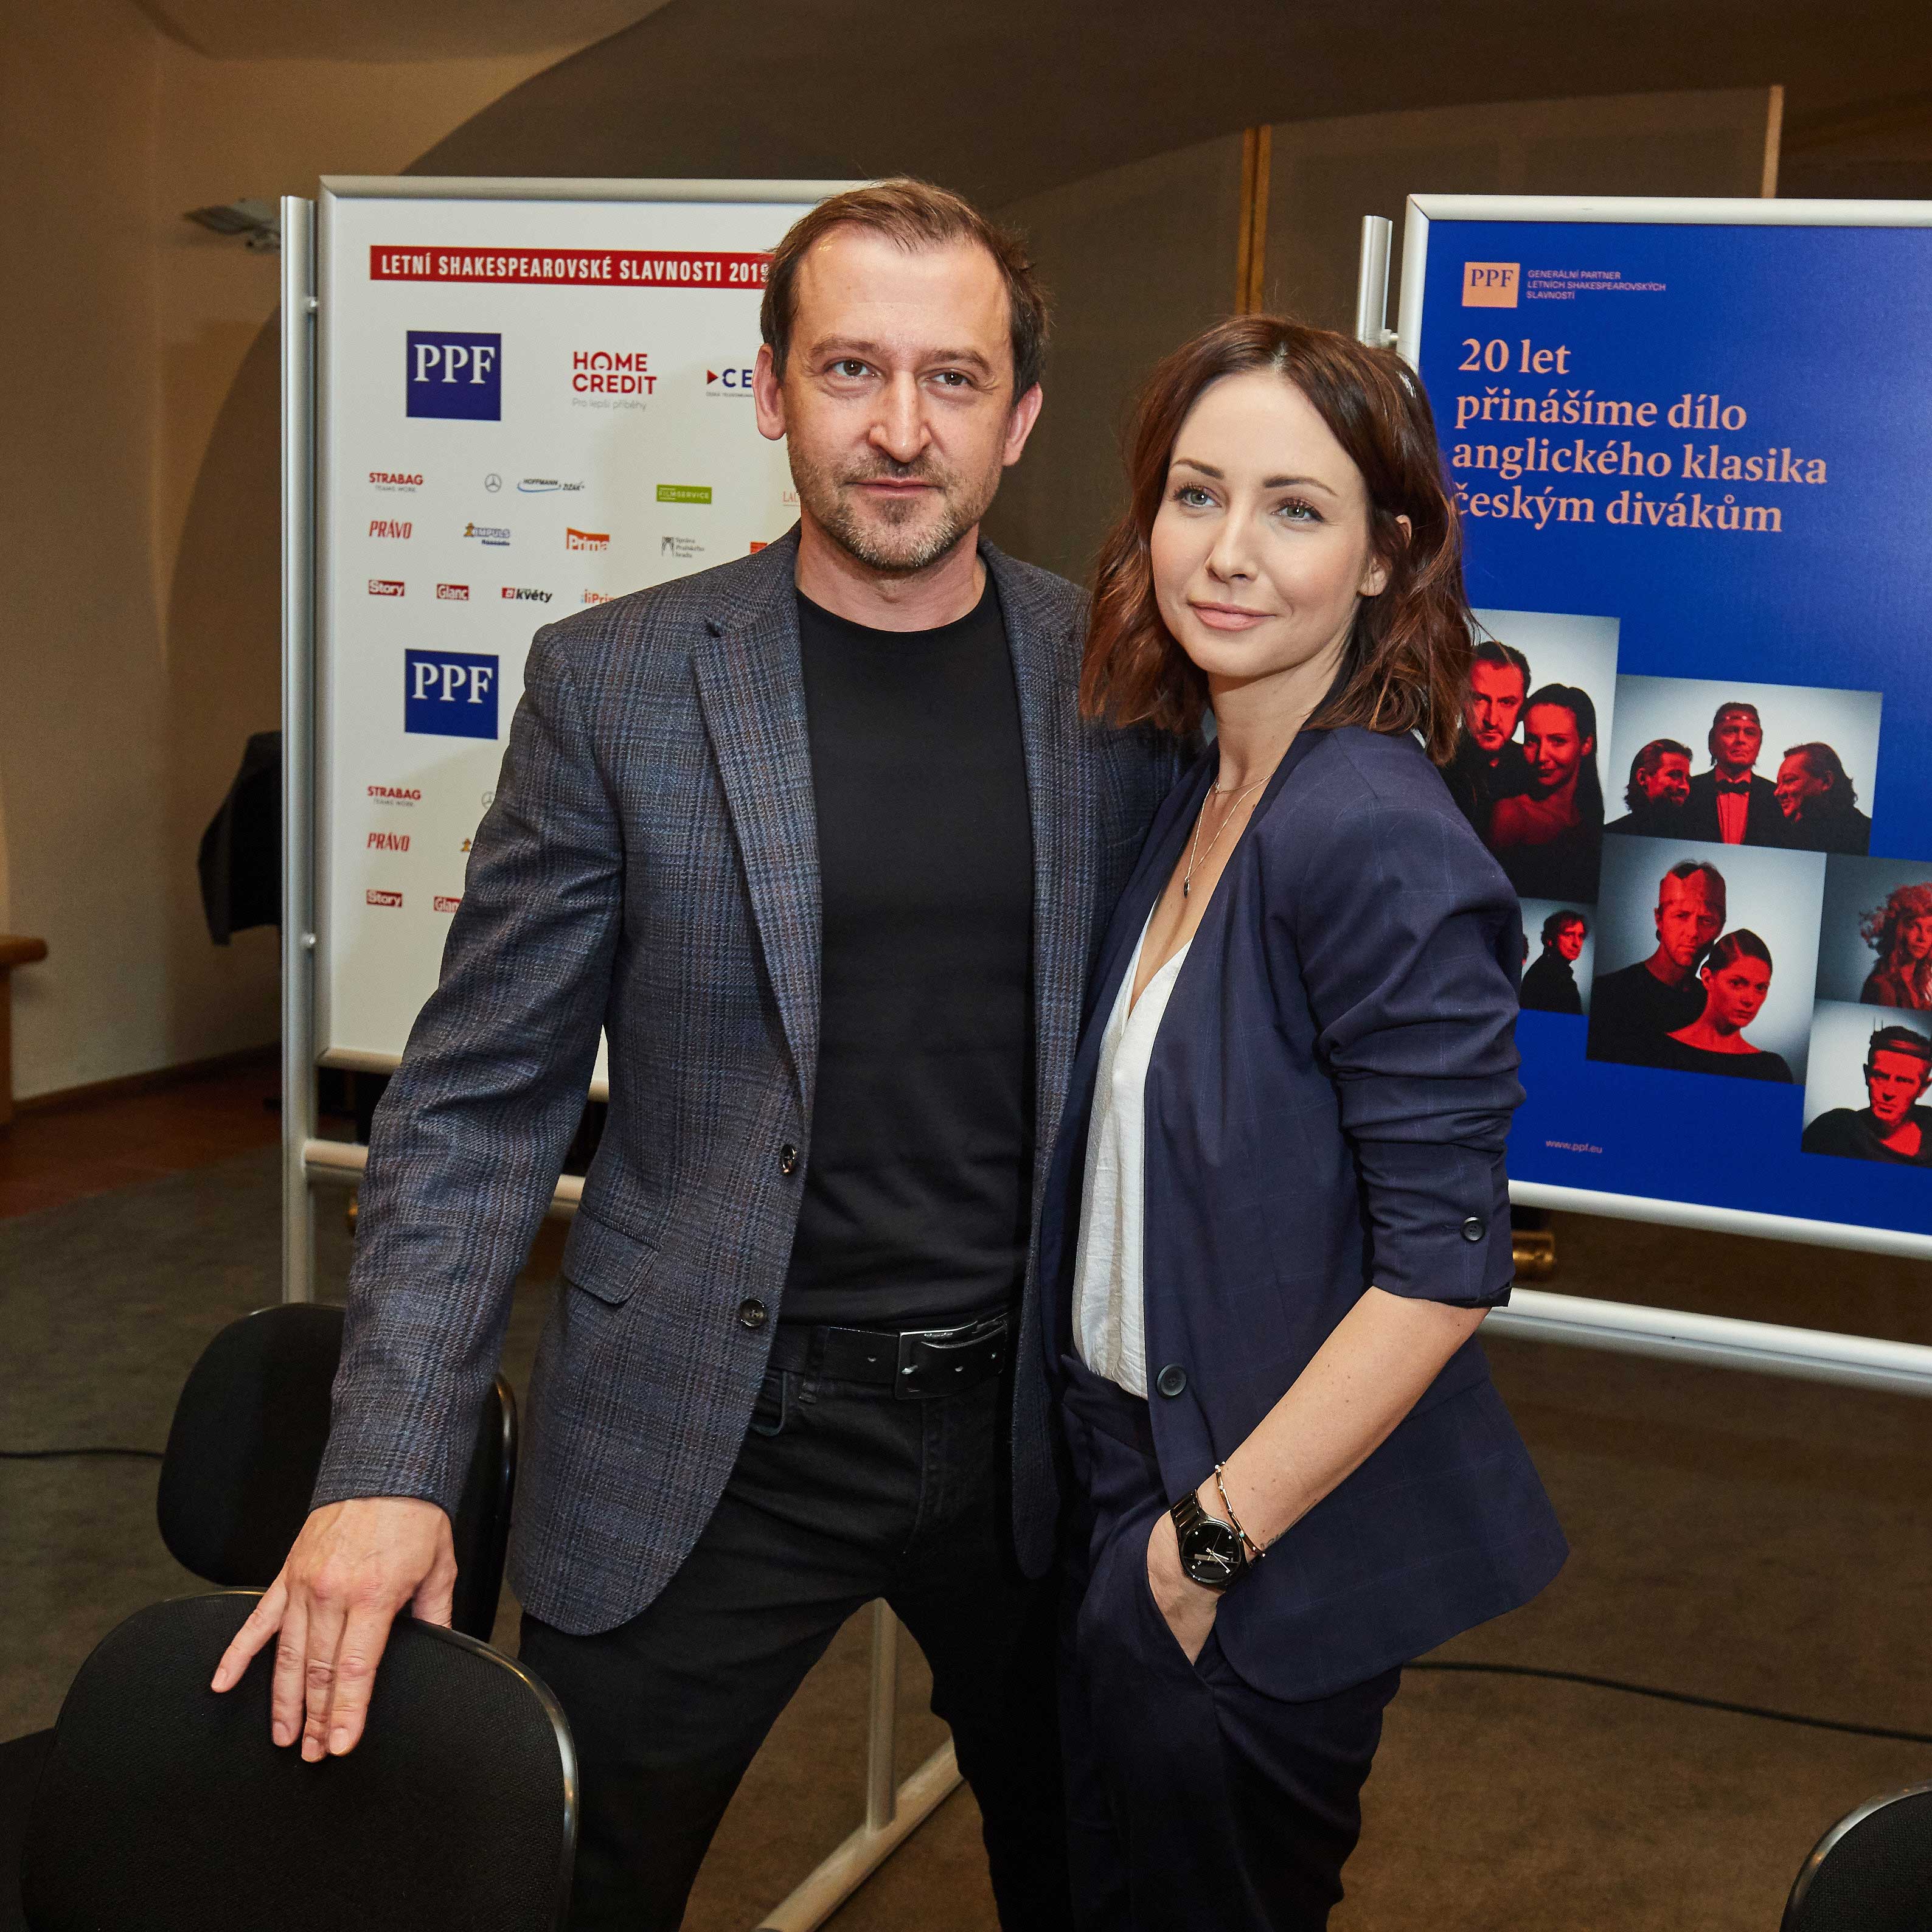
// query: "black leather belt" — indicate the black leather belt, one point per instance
point(911, 1362)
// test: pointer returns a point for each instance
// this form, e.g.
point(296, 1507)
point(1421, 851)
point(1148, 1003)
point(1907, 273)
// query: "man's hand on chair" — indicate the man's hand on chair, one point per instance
point(355, 1565)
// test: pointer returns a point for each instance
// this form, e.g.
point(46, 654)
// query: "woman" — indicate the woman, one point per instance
point(1899, 932)
point(1277, 1211)
point(1736, 974)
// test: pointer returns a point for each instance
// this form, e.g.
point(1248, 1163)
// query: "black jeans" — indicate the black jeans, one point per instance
point(841, 1493)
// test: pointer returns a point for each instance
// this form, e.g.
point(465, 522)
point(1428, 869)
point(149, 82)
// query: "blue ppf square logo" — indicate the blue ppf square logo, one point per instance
point(455, 375)
point(449, 694)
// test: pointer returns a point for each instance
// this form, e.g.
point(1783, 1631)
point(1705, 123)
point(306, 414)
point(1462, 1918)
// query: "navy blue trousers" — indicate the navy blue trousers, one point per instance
point(1193, 1799)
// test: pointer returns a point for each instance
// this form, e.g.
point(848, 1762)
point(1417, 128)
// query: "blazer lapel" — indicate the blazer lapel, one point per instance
point(751, 687)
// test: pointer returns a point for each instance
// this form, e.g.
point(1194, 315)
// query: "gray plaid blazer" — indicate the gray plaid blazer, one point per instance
point(650, 866)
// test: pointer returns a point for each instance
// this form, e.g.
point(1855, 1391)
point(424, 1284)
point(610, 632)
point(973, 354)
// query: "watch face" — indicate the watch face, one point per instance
point(1211, 1553)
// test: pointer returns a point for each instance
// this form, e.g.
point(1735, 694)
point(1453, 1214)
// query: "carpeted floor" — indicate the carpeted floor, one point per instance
point(1763, 1541)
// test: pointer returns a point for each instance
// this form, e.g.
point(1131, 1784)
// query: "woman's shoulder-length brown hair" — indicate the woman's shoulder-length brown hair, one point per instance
point(1408, 659)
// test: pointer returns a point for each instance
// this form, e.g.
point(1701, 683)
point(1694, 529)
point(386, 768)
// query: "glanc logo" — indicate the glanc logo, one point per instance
point(586, 539)
point(449, 694)
point(385, 586)
point(452, 593)
point(389, 841)
point(395, 479)
point(442, 902)
point(727, 382)
point(382, 526)
point(1491, 284)
point(519, 596)
point(612, 372)
point(373, 897)
point(453, 374)
point(395, 794)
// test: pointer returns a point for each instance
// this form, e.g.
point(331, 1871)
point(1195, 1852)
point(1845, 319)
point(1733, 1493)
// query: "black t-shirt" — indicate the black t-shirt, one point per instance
point(1632, 1011)
point(1851, 1132)
point(1549, 986)
point(917, 1185)
point(1763, 1065)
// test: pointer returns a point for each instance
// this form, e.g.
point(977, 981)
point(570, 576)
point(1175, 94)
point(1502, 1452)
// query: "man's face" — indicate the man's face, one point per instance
point(1490, 711)
point(1689, 916)
point(1569, 941)
point(897, 403)
point(1894, 1081)
point(1669, 784)
point(1735, 740)
point(1798, 785)
point(1553, 747)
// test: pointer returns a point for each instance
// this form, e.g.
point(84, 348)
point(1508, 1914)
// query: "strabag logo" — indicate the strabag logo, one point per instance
point(374, 898)
point(442, 902)
point(1491, 284)
point(727, 382)
point(496, 535)
point(452, 593)
point(586, 539)
point(389, 841)
point(449, 694)
point(395, 795)
point(407, 481)
point(454, 374)
point(385, 586)
point(386, 526)
point(612, 372)
point(518, 595)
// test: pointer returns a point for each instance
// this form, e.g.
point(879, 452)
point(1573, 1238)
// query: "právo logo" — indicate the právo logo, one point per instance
point(387, 526)
point(449, 694)
point(455, 373)
point(389, 841)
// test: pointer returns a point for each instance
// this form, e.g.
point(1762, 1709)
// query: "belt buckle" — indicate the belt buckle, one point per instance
point(915, 1378)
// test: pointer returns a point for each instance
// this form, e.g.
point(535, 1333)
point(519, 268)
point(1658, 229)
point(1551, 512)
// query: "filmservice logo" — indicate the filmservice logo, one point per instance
point(456, 374)
point(495, 536)
point(385, 526)
point(612, 372)
point(385, 586)
point(443, 902)
point(449, 694)
point(394, 795)
point(680, 548)
point(684, 492)
point(727, 382)
point(517, 595)
point(388, 842)
point(1491, 284)
point(586, 539)
point(545, 486)
point(373, 897)
point(596, 597)
point(452, 593)
point(406, 481)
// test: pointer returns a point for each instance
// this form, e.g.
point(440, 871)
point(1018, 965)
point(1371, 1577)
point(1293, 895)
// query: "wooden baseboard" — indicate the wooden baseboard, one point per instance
point(156, 1081)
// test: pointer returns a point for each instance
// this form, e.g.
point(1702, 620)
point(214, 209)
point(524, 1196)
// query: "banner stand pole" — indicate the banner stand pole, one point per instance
point(1372, 281)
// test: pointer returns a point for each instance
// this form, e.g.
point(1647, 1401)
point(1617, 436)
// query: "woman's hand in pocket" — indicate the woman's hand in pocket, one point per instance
point(1188, 1609)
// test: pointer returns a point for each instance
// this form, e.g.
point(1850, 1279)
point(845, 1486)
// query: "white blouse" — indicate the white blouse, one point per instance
point(1109, 1327)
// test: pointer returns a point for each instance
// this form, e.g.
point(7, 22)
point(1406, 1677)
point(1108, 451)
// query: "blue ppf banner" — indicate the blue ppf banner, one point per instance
point(1691, 460)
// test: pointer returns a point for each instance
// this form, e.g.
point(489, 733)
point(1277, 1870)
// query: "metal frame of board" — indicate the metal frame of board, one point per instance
point(1718, 1341)
point(893, 1810)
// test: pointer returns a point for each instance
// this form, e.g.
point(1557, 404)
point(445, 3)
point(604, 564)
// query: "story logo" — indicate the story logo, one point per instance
point(455, 374)
point(449, 694)
point(1491, 284)
point(385, 586)
point(373, 897)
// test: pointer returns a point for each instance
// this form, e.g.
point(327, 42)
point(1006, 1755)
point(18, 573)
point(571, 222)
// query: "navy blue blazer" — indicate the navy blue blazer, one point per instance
point(1326, 1107)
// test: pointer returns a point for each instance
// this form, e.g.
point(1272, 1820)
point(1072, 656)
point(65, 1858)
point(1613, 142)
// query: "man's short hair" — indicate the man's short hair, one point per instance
point(1552, 926)
point(1826, 764)
point(1504, 657)
point(1899, 1039)
point(1689, 868)
point(917, 216)
point(1645, 762)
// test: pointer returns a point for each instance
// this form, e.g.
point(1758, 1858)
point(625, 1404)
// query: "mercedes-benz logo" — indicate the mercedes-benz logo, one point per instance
point(492, 482)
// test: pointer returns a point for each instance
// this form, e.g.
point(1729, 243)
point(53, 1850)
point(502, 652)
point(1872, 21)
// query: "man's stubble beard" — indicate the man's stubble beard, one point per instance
point(892, 550)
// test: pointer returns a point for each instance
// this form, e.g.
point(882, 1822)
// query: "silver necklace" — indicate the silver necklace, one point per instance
point(1195, 853)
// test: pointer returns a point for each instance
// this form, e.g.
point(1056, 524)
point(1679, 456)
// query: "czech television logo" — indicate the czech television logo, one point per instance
point(449, 694)
point(455, 374)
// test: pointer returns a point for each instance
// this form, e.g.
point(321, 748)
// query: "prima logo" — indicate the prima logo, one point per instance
point(586, 539)
point(408, 481)
point(452, 593)
point(384, 527)
point(518, 595)
point(388, 842)
point(495, 536)
point(449, 694)
point(394, 795)
point(596, 597)
point(373, 897)
point(385, 586)
point(443, 902)
point(1491, 284)
point(458, 375)
point(612, 372)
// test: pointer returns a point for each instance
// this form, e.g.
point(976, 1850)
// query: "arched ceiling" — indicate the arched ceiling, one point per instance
point(386, 30)
point(1002, 97)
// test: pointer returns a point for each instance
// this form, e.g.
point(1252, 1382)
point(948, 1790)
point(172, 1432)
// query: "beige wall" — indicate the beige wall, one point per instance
point(139, 585)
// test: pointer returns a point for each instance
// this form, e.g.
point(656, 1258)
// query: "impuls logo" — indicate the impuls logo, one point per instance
point(452, 593)
point(586, 539)
point(386, 526)
point(385, 586)
point(496, 536)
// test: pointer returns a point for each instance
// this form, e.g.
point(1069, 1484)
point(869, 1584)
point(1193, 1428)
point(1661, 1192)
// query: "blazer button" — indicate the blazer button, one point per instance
point(1473, 1229)
point(788, 1159)
point(1172, 1380)
point(752, 1314)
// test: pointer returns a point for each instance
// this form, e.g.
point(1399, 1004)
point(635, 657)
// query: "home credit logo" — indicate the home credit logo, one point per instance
point(408, 481)
point(444, 902)
point(386, 526)
point(394, 795)
point(455, 373)
point(373, 897)
point(452, 593)
point(385, 586)
point(612, 372)
point(586, 539)
point(727, 382)
point(516, 594)
point(590, 268)
point(389, 841)
point(449, 694)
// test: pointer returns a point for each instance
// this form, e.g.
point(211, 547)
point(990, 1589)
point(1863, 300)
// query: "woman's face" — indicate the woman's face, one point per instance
point(1734, 993)
point(1261, 547)
point(1918, 937)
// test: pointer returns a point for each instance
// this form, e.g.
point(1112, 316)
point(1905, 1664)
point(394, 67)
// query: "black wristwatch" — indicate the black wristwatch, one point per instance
point(1212, 1552)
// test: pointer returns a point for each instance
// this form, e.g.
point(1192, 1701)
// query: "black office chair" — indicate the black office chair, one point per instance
point(166, 1808)
point(1871, 1872)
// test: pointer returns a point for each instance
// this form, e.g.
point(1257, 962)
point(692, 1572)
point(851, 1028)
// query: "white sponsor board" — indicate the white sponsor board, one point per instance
point(526, 405)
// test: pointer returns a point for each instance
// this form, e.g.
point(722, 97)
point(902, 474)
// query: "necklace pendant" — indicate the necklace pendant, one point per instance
point(1186, 887)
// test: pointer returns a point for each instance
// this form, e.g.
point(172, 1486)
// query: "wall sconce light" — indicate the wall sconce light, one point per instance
point(258, 222)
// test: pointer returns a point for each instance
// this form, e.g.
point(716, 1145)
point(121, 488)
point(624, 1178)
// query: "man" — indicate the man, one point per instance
point(1660, 785)
point(1820, 802)
point(1729, 805)
point(1632, 1009)
point(1549, 838)
point(1489, 764)
point(1892, 1127)
point(820, 841)
point(1549, 986)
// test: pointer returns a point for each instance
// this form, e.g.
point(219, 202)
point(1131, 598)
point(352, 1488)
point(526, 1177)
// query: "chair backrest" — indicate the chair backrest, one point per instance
point(1871, 1872)
point(247, 1440)
point(166, 1807)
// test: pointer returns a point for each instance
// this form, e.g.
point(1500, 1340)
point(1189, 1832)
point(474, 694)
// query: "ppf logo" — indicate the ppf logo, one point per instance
point(385, 586)
point(442, 902)
point(517, 595)
point(385, 526)
point(395, 795)
point(389, 841)
point(454, 374)
point(452, 593)
point(1491, 284)
point(449, 694)
point(404, 480)
point(496, 535)
point(373, 897)
point(727, 382)
point(586, 539)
